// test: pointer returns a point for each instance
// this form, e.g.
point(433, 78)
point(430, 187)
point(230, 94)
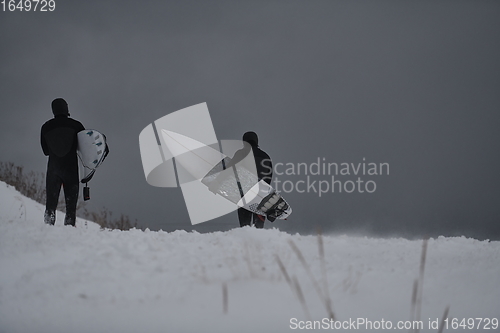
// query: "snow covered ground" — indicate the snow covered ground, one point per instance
point(65, 279)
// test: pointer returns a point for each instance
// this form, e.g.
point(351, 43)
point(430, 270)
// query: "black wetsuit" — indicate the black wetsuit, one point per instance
point(59, 142)
point(264, 167)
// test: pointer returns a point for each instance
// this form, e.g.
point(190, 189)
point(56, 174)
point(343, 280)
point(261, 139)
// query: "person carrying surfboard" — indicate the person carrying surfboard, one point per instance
point(264, 167)
point(59, 143)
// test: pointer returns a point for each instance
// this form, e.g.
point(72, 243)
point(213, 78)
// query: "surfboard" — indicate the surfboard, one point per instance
point(92, 150)
point(236, 182)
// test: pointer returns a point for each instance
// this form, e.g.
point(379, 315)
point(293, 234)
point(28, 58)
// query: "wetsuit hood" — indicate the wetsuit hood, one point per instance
point(251, 138)
point(60, 107)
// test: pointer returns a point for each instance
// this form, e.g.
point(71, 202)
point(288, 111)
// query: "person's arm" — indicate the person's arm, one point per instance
point(238, 156)
point(43, 143)
point(268, 172)
point(79, 126)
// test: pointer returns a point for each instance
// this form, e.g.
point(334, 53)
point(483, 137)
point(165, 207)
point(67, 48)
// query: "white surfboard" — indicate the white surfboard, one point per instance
point(92, 150)
point(235, 183)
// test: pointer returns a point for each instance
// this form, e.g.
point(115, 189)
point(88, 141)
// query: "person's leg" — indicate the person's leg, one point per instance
point(52, 188)
point(245, 217)
point(258, 221)
point(71, 187)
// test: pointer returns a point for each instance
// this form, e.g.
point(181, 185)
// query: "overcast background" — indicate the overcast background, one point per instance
point(412, 84)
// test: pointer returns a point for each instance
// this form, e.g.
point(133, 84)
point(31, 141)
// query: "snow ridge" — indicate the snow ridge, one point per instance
point(84, 279)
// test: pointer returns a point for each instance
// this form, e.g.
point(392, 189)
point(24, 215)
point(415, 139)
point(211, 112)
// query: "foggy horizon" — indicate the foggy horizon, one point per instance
point(413, 85)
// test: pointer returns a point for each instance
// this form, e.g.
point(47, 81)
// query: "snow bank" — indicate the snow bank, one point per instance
point(65, 279)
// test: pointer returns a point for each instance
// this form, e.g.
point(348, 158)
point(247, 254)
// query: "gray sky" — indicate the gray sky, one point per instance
point(412, 84)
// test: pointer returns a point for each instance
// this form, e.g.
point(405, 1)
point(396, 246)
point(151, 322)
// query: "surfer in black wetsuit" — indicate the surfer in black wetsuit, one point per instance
point(264, 167)
point(59, 142)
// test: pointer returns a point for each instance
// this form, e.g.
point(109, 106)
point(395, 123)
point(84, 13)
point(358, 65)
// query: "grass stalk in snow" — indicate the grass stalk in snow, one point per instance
point(421, 279)
point(294, 286)
point(326, 290)
point(414, 300)
point(416, 308)
point(248, 260)
point(225, 300)
point(312, 278)
point(445, 315)
point(283, 270)
point(300, 295)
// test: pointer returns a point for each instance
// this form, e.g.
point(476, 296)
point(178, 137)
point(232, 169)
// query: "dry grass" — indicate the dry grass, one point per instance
point(445, 315)
point(225, 298)
point(294, 286)
point(29, 184)
point(321, 289)
point(418, 286)
point(32, 185)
